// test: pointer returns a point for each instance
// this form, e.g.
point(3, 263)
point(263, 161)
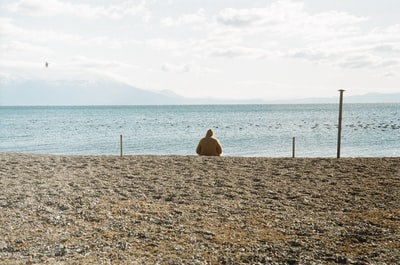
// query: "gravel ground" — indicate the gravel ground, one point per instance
point(198, 210)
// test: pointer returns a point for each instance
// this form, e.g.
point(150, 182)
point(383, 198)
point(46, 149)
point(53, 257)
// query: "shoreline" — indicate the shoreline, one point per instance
point(144, 209)
point(193, 155)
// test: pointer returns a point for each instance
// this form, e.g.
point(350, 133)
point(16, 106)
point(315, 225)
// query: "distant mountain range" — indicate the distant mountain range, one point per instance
point(366, 98)
point(39, 92)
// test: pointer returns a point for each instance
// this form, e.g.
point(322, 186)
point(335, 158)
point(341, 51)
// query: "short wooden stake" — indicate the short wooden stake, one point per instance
point(120, 140)
point(293, 146)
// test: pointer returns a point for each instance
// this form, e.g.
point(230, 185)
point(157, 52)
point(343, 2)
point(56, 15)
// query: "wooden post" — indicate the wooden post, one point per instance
point(120, 140)
point(293, 146)
point(340, 122)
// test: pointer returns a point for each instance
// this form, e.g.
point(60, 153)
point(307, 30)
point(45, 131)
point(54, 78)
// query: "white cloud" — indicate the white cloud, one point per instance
point(277, 13)
point(85, 62)
point(9, 30)
point(248, 32)
point(387, 47)
point(17, 47)
point(374, 49)
point(198, 18)
point(224, 42)
point(389, 75)
point(286, 18)
point(175, 68)
point(77, 68)
point(65, 8)
point(367, 61)
point(15, 38)
point(20, 64)
point(166, 44)
point(238, 51)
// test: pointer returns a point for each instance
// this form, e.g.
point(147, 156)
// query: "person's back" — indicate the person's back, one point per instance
point(209, 146)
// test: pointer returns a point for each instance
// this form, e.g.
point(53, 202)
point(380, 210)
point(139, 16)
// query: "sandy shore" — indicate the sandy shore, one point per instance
point(198, 210)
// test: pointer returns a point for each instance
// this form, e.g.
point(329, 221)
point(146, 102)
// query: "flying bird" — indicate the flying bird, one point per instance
point(46, 64)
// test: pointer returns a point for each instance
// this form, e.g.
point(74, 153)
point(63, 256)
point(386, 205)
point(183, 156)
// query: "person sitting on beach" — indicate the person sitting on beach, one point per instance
point(209, 145)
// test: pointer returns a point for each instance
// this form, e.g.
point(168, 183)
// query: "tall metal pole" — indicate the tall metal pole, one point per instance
point(340, 122)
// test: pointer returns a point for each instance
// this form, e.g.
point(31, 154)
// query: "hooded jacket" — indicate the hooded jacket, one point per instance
point(209, 146)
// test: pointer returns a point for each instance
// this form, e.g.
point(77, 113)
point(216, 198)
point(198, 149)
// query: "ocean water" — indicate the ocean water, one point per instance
point(368, 130)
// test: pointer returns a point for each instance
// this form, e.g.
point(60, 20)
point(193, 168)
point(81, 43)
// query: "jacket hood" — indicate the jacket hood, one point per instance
point(210, 133)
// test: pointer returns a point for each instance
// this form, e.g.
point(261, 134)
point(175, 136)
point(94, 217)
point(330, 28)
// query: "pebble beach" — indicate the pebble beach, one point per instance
point(57, 209)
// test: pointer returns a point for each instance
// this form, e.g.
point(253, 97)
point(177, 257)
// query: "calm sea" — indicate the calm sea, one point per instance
point(369, 130)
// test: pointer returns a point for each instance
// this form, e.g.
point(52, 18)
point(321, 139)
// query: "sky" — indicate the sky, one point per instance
point(232, 49)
